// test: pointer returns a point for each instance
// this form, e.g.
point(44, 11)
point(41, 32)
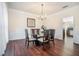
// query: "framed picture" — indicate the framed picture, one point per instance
point(30, 22)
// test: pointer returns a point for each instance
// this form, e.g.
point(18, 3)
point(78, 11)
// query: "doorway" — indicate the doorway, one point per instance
point(68, 25)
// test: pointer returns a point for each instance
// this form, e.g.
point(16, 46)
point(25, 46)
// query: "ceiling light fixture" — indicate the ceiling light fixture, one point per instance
point(42, 16)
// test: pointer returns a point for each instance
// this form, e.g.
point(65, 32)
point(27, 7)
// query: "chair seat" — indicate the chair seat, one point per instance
point(41, 40)
point(51, 39)
point(31, 39)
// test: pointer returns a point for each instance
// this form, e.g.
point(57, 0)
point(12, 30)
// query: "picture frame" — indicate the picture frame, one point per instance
point(30, 22)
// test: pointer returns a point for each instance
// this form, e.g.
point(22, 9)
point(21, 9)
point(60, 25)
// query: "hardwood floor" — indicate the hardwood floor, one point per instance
point(17, 48)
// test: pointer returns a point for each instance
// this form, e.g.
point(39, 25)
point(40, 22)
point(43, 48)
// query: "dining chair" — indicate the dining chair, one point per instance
point(28, 38)
point(52, 35)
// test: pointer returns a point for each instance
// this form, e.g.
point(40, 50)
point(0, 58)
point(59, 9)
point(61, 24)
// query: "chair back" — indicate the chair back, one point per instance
point(46, 35)
point(26, 34)
point(35, 32)
point(52, 33)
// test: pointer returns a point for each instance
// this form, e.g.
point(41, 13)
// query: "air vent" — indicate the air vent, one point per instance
point(65, 6)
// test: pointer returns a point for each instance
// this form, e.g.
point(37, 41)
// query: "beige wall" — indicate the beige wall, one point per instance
point(55, 21)
point(18, 23)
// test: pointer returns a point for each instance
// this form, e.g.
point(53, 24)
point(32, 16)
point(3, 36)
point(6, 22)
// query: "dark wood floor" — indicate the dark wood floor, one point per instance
point(17, 48)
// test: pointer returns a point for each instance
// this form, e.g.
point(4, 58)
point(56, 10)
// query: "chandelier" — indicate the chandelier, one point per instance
point(42, 15)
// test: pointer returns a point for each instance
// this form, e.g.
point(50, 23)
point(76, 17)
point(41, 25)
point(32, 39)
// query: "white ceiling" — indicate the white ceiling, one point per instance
point(35, 7)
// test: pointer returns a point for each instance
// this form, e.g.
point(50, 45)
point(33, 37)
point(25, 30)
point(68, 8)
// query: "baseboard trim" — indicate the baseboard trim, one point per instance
point(16, 39)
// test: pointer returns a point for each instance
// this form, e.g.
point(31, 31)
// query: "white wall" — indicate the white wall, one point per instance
point(3, 27)
point(18, 23)
point(55, 21)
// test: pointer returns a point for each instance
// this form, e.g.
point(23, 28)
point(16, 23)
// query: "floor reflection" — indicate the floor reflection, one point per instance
point(68, 46)
point(68, 43)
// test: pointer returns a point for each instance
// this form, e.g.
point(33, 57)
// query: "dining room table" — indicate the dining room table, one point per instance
point(37, 37)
